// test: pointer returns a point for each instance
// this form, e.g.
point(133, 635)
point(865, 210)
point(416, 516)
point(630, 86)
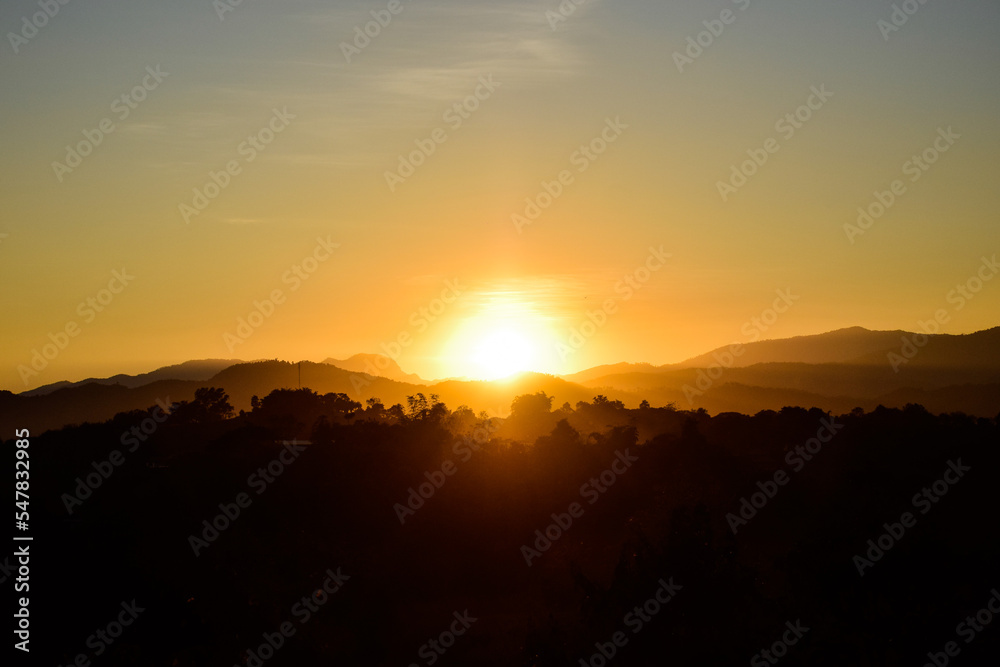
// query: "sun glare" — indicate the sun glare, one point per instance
point(507, 334)
point(504, 353)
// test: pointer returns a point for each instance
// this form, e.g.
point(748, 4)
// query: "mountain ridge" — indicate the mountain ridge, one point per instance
point(946, 371)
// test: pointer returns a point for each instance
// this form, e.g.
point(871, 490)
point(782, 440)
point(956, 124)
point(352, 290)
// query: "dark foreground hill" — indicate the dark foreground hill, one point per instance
point(429, 536)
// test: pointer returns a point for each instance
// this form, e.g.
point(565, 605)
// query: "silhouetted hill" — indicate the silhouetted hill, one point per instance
point(947, 374)
point(667, 503)
point(979, 350)
point(831, 371)
point(259, 378)
point(93, 402)
point(189, 370)
point(97, 402)
point(857, 345)
point(375, 364)
point(865, 381)
point(843, 345)
point(612, 369)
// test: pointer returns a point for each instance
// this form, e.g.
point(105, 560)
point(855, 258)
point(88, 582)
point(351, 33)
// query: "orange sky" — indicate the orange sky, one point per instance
point(298, 164)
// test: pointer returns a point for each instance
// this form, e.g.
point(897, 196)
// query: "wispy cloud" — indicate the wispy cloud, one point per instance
point(430, 57)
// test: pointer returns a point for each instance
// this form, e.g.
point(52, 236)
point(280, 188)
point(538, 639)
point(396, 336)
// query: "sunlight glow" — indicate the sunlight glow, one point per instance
point(503, 353)
point(507, 334)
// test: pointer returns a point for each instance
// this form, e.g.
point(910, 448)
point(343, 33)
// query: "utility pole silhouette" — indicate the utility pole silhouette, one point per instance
point(300, 375)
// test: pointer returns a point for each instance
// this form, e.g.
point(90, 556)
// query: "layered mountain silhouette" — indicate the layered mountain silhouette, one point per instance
point(859, 346)
point(835, 371)
point(375, 364)
point(203, 369)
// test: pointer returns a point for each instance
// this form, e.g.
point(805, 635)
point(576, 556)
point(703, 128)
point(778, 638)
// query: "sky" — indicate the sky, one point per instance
point(482, 186)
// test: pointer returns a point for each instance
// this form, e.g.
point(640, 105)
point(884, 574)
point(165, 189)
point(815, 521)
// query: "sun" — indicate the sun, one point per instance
point(501, 334)
point(503, 353)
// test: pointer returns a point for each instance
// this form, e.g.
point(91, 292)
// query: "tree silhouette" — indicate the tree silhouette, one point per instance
point(530, 406)
point(417, 405)
point(210, 404)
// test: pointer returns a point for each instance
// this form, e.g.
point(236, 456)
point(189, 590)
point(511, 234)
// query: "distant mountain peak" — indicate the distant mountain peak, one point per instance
point(853, 330)
point(375, 364)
